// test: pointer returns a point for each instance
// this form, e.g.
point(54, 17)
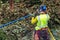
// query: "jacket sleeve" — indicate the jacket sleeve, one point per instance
point(48, 17)
point(33, 20)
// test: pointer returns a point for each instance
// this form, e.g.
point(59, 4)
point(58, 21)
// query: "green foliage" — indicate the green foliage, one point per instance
point(16, 0)
point(4, 1)
point(2, 35)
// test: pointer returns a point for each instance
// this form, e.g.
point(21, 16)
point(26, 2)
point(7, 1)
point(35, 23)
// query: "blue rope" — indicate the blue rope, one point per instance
point(19, 19)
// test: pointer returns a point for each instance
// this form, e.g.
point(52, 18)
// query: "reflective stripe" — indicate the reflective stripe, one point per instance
point(40, 21)
point(38, 18)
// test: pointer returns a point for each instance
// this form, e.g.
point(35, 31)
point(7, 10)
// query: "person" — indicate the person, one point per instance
point(42, 24)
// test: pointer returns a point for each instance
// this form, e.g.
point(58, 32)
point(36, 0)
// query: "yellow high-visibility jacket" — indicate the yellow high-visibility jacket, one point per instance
point(41, 20)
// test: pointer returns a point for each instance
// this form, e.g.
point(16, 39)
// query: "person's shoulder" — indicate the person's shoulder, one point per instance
point(47, 14)
point(37, 16)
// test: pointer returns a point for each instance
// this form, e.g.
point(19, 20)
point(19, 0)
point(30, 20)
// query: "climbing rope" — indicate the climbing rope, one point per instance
point(19, 19)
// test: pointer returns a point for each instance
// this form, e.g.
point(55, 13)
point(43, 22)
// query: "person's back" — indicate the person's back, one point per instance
point(42, 21)
point(41, 24)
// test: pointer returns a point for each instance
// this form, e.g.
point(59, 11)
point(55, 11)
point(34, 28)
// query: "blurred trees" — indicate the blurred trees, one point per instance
point(4, 1)
point(24, 29)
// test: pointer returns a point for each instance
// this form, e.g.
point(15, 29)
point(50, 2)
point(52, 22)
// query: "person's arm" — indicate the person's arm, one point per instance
point(33, 20)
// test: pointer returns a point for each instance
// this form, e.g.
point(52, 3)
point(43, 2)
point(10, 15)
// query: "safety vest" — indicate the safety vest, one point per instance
point(42, 21)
